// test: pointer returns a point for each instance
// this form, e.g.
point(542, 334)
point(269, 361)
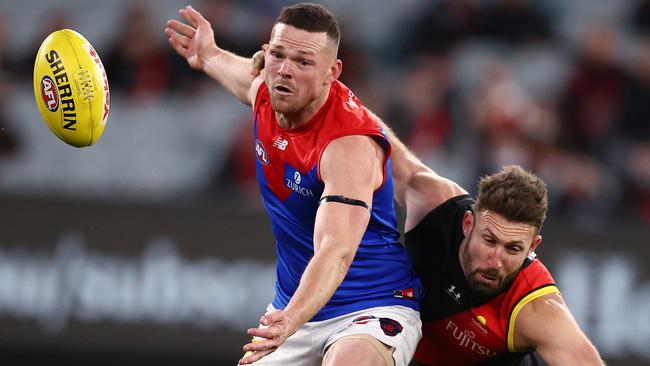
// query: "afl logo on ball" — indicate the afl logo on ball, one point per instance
point(261, 153)
point(49, 93)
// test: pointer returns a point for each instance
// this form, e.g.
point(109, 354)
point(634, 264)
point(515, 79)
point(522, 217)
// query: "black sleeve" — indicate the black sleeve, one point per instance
point(433, 243)
point(438, 231)
point(438, 222)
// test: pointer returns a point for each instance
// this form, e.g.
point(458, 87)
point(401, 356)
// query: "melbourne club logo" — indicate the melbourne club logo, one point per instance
point(49, 93)
point(390, 327)
point(262, 156)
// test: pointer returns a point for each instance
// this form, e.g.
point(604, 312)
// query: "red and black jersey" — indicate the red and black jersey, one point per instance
point(458, 327)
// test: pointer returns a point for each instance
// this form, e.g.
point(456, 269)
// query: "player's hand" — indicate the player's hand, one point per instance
point(193, 40)
point(258, 63)
point(276, 328)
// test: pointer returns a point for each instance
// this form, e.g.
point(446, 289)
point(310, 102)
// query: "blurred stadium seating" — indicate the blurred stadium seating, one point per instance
point(152, 247)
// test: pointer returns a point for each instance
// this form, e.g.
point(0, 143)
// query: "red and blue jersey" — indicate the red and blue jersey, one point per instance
point(288, 175)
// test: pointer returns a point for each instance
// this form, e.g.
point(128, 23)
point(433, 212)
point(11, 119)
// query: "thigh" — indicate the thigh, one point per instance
point(359, 350)
point(396, 327)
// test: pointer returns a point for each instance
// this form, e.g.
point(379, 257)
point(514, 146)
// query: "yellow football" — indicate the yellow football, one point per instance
point(71, 88)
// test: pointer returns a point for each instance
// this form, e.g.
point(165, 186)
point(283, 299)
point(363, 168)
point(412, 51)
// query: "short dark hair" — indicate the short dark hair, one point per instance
point(311, 18)
point(517, 195)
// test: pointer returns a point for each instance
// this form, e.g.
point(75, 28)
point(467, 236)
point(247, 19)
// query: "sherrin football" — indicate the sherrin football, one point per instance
point(71, 88)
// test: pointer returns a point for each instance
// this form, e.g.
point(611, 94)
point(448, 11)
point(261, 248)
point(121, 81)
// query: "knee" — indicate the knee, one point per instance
point(358, 352)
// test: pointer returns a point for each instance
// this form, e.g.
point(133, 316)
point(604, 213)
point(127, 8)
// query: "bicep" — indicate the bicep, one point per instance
point(546, 324)
point(350, 166)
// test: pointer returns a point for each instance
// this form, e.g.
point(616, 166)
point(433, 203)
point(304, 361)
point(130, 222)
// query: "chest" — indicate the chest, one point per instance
point(287, 164)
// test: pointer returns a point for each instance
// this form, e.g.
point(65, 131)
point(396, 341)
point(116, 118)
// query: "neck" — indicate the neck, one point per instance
point(298, 118)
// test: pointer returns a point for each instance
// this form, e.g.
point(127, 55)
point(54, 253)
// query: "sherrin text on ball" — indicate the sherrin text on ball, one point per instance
point(71, 88)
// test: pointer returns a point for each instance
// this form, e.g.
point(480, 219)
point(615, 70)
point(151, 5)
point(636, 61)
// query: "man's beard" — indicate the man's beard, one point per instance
point(485, 291)
point(478, 288)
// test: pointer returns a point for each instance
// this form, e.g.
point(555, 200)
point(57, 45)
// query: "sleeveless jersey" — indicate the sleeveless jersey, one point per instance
point(459, 328)
point(288, 175)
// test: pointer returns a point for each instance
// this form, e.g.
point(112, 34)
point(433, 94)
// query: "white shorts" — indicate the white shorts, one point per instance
point(396, 326)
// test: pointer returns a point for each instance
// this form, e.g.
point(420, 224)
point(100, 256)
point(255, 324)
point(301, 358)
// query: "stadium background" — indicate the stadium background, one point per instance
point(151, 247)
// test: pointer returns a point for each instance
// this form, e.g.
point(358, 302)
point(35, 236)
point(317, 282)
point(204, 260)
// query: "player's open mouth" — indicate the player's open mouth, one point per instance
point(282, 90)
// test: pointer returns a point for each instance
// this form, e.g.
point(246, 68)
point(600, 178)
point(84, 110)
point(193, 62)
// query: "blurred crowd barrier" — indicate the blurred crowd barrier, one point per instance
point(179, 284)
point(152, 246)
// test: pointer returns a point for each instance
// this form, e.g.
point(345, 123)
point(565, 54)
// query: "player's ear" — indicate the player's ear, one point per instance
point(334, 72)
point(468, 222)
point(536, 241)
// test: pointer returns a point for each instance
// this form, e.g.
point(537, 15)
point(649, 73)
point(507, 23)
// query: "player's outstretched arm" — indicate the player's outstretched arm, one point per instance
point(417, 187)
point(338, 230)
point(546, 325)
point(194, 41)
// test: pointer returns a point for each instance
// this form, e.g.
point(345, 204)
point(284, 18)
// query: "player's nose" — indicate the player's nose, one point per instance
point(285, 68)
point(494, 258)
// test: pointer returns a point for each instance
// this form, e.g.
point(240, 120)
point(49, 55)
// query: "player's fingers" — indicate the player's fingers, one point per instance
point(260, 344)
point(272, 317)
point(198, 19)
point(170, 32)
point(264, 332)
point(180, 39)
point(254, 356)
point(181, 28)
point(178, 47)
point(185, 14)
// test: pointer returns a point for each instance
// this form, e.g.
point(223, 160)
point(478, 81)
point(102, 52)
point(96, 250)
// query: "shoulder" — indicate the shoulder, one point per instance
point(348, 110)
point(345, 116)
point(537, 321)
point(528, 293)
point(534, 274)
point(351, 150)
point(547, 325)
point(353, 161)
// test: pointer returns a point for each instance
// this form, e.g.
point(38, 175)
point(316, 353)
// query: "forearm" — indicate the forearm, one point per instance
point(546, 324)
point(233, 72)
point(585, 355)
point(321, 278)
